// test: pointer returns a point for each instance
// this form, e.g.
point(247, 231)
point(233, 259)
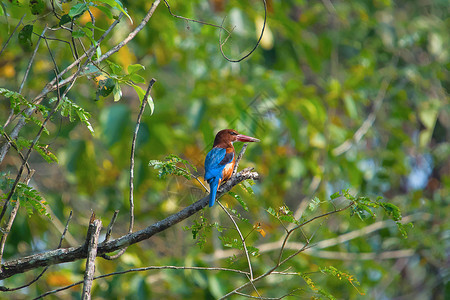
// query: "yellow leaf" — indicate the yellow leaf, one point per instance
point(261, 231)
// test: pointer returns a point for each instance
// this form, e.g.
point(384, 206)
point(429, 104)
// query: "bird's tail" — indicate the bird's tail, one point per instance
point(213, 186)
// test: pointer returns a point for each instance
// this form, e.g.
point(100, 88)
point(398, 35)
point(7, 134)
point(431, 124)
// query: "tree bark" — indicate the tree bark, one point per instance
point(92, 243)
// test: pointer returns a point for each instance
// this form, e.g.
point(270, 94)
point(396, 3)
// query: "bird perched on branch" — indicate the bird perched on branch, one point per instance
point(220, 161)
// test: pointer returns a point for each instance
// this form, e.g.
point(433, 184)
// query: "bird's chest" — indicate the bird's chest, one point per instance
point(228, 170)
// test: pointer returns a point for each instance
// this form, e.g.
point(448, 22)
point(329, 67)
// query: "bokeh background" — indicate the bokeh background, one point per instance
point(342, 94)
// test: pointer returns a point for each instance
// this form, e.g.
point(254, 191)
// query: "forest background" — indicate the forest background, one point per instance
point(348, 98)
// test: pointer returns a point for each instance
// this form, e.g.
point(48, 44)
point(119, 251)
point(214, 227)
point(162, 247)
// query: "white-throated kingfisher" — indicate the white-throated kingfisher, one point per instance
point(220, 161)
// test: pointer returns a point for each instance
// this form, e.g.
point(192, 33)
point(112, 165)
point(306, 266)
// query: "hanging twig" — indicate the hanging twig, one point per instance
point(254, 48)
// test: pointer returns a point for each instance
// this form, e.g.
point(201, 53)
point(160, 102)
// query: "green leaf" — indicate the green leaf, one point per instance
point(288, 218)
point(77, 10)
point(151, 104)
point(335, 195)
point(272, 212)
point(115, 68)
point(350, 106)
point(317, 289)
point(135, 68)
point(117, 92)
point(88, 33)
point(341, 275)
point(117, 4)
point(141, 95)
point(247, 184)
point(28, 196)
point(24, 37)
point(239, 199)
point(105, 10)
point(136, 78)
point(64, 19)
point(45, 152)
point(37, 6)
point(90, 69)
point(105, 87)
point(91, 26)
point(314, 204)
point(70, 109)
point(78, 34)
point(171, 167)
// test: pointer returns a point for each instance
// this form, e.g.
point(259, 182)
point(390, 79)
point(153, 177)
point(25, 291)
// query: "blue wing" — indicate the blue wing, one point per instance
point(215, 162)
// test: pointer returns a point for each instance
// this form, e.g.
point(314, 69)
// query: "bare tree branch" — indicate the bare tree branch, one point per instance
point(92, 242)
point(57, 256)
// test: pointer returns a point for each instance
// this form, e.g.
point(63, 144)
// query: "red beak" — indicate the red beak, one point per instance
point(244, 138)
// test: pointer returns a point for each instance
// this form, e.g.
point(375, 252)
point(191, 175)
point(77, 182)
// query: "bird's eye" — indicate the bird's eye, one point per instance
point(234, 133)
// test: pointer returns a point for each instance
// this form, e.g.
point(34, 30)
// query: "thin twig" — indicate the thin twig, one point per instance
point(192, 175)
point(110, 226)
point(272, 246)
point(142, 270)
point(27, 71)
point(192, 20)
point(281, 262)
point(254, 48)
point(133, 148)
point(242, 240)
point(238, 159)
point(13, 144)
point(12, 33)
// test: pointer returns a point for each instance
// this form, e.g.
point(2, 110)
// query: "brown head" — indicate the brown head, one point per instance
point(227, 137)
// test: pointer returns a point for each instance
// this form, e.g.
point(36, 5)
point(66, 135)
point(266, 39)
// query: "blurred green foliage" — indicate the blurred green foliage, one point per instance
point(343, 95)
